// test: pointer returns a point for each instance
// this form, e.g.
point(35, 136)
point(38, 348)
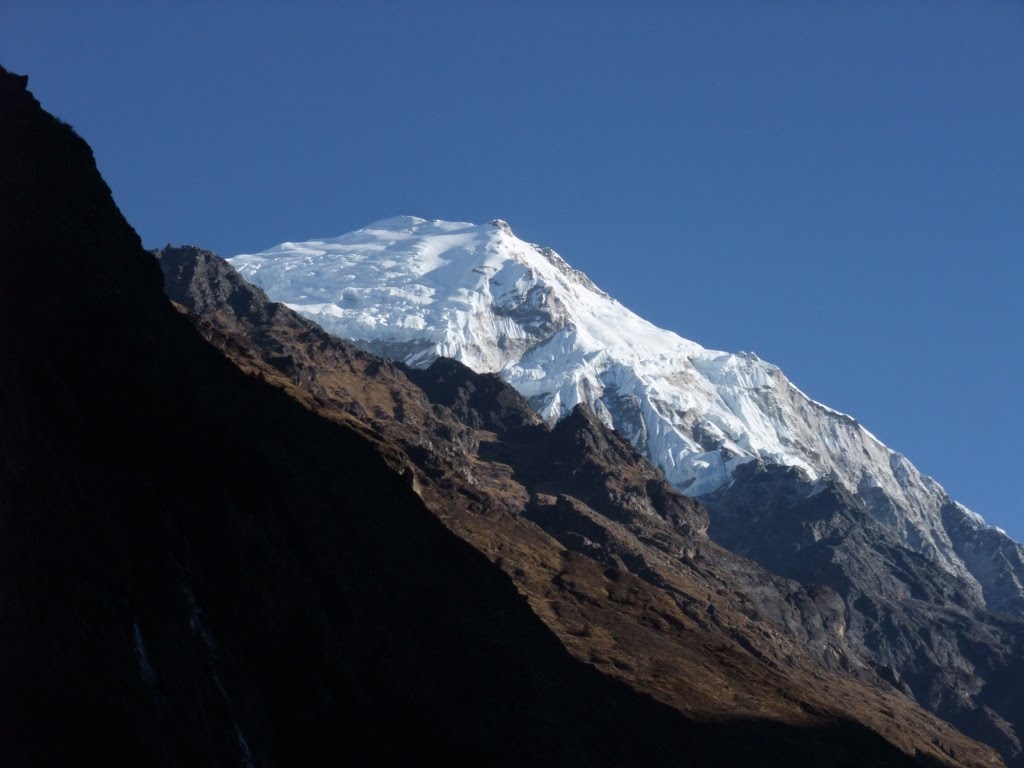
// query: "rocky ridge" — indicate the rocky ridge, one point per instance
point(414, 290)
point(799, 487)
point(613, 559)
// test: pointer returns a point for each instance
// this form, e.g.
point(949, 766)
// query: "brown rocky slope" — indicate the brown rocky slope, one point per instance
point(614, 561)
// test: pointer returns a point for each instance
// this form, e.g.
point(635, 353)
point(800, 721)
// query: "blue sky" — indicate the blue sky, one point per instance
point(837, 186)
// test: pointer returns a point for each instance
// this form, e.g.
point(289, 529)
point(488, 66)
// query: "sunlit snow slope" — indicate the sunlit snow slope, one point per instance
point(414, 290)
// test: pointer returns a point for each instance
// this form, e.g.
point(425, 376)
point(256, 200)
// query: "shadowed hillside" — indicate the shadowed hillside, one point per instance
point(196, 570)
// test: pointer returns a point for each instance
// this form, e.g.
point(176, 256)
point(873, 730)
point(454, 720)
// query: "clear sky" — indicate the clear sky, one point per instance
point(836, 186)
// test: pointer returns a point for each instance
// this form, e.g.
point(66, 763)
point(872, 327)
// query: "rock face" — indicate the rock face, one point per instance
point(913, 620)
point(199, 569)
point(613, 559)
point(932, 596)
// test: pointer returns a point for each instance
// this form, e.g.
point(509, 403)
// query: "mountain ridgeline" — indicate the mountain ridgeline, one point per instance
point(932, 597)
point(416, 290)
point(613, 559)
point(231, 539)
point(199, 571)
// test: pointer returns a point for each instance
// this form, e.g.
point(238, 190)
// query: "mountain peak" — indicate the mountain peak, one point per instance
point(416, 290)
point(397, 223)
point(12, 82)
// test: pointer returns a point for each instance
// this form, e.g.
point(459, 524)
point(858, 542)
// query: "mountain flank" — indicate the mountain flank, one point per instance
point(614, 560)
point(931, 596)
point(198, 569)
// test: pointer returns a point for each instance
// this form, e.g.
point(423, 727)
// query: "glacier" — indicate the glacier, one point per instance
point(414, 290)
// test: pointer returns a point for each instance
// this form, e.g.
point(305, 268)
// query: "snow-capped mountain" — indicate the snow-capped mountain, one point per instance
point(415, 290)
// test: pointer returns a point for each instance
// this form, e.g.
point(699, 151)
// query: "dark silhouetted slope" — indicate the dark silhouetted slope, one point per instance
point(197, 570)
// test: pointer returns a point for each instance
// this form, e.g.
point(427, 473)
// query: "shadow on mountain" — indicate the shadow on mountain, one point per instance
point(196, 570)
